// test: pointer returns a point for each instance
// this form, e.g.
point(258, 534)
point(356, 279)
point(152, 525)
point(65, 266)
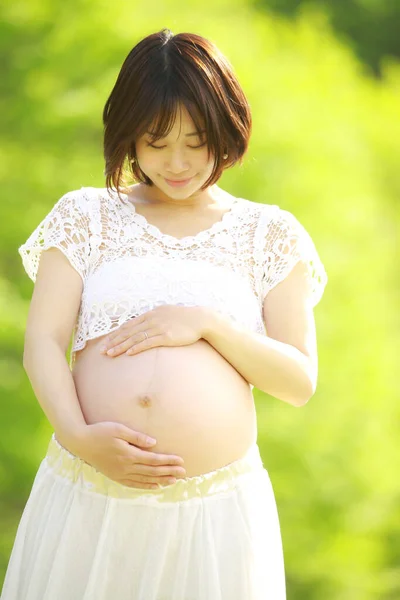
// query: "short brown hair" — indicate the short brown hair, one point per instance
point(160, 72)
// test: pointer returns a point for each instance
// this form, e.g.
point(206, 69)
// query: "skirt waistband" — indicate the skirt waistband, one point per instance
point(73, 468)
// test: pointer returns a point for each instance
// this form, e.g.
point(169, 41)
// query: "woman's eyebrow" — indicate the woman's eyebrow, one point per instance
point(187, 135)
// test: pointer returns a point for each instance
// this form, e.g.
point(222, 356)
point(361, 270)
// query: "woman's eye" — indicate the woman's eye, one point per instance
point(161, 147)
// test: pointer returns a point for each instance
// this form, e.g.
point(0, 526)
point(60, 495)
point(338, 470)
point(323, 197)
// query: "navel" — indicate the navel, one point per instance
point(145, 400)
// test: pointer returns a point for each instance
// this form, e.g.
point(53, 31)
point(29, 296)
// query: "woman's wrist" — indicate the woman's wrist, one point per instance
point(73, 439)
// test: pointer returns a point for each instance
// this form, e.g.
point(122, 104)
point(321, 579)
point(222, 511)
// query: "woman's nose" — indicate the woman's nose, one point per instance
point(177, 162)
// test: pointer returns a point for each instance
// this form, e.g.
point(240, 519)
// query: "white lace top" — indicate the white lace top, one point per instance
point(128, 266)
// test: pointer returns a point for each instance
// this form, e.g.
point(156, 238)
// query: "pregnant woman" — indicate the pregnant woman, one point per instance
point(170, 288)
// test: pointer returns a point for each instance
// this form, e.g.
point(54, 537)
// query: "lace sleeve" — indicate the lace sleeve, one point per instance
point(286, 243)
point(65, 227)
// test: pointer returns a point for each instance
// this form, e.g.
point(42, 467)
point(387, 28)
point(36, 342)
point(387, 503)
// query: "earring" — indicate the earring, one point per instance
point(225, 156)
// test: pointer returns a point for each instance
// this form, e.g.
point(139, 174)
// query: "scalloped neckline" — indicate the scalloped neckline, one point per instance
point(188, 239)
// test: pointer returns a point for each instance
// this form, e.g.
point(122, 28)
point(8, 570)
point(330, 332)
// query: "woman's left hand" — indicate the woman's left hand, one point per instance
point(166, 325)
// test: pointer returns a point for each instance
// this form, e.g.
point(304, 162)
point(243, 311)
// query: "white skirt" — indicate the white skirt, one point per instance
point(83, 536)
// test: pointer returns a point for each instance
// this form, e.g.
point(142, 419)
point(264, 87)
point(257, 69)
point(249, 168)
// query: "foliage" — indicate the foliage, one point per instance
point(369, 27)
point(325, 145)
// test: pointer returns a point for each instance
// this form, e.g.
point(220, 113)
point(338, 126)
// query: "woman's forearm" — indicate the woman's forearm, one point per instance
point(275, 368)
point(48, 371)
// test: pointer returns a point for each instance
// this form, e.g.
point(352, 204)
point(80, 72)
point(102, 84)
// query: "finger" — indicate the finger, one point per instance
point(121, 332)
point(145, 484)
point(153, 458)
point(109, 341)
point(120, 348)
point(114, 341)
point(125, 435)
point(151, 342)
point(147, 470)
point(166, 480)
point(139, 341)
point(124, 343)
point(132, 332)
point(138, 484)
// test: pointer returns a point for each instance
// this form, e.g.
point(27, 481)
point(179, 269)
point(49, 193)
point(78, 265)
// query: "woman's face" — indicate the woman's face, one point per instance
point(179, 156)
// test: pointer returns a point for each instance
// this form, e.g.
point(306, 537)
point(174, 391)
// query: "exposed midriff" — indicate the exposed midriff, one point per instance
point(189, 398)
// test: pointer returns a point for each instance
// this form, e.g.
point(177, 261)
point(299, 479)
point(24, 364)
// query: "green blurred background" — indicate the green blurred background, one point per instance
point(323, 82)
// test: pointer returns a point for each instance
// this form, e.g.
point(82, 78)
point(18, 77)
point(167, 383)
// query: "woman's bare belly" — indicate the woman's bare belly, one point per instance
point(189, 398)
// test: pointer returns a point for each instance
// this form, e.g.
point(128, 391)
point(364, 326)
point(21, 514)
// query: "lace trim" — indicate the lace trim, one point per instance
point(254, 244)
point(65, 227)
point(170, 239)
point(281, 242)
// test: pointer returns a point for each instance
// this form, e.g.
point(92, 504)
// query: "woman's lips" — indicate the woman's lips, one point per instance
point(178, 183)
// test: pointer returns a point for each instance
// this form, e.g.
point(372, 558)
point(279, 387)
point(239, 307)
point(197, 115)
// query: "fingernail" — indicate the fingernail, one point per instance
point(150, 440)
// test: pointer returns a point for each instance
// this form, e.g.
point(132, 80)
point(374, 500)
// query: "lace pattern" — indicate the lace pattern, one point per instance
point(128, 266)
point(66, 227)
point(286, 243)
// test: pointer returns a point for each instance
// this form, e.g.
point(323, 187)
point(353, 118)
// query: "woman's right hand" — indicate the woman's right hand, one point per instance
point(115, 450)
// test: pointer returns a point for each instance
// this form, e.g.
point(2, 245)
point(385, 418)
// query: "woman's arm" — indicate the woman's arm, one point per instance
point(52, 314)
point(284, 364)
point(48, 371)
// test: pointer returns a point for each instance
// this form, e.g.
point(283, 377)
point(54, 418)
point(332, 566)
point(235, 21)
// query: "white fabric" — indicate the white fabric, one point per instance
point(128, 266)
point(83, 536)
point(212, 537)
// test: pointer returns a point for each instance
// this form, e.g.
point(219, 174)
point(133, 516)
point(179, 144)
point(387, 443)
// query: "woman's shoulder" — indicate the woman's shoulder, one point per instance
point(101, 197)
point(91, 201)
point(90, 194)
point(79, 199)
point(262, 213)
point(274, 213)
